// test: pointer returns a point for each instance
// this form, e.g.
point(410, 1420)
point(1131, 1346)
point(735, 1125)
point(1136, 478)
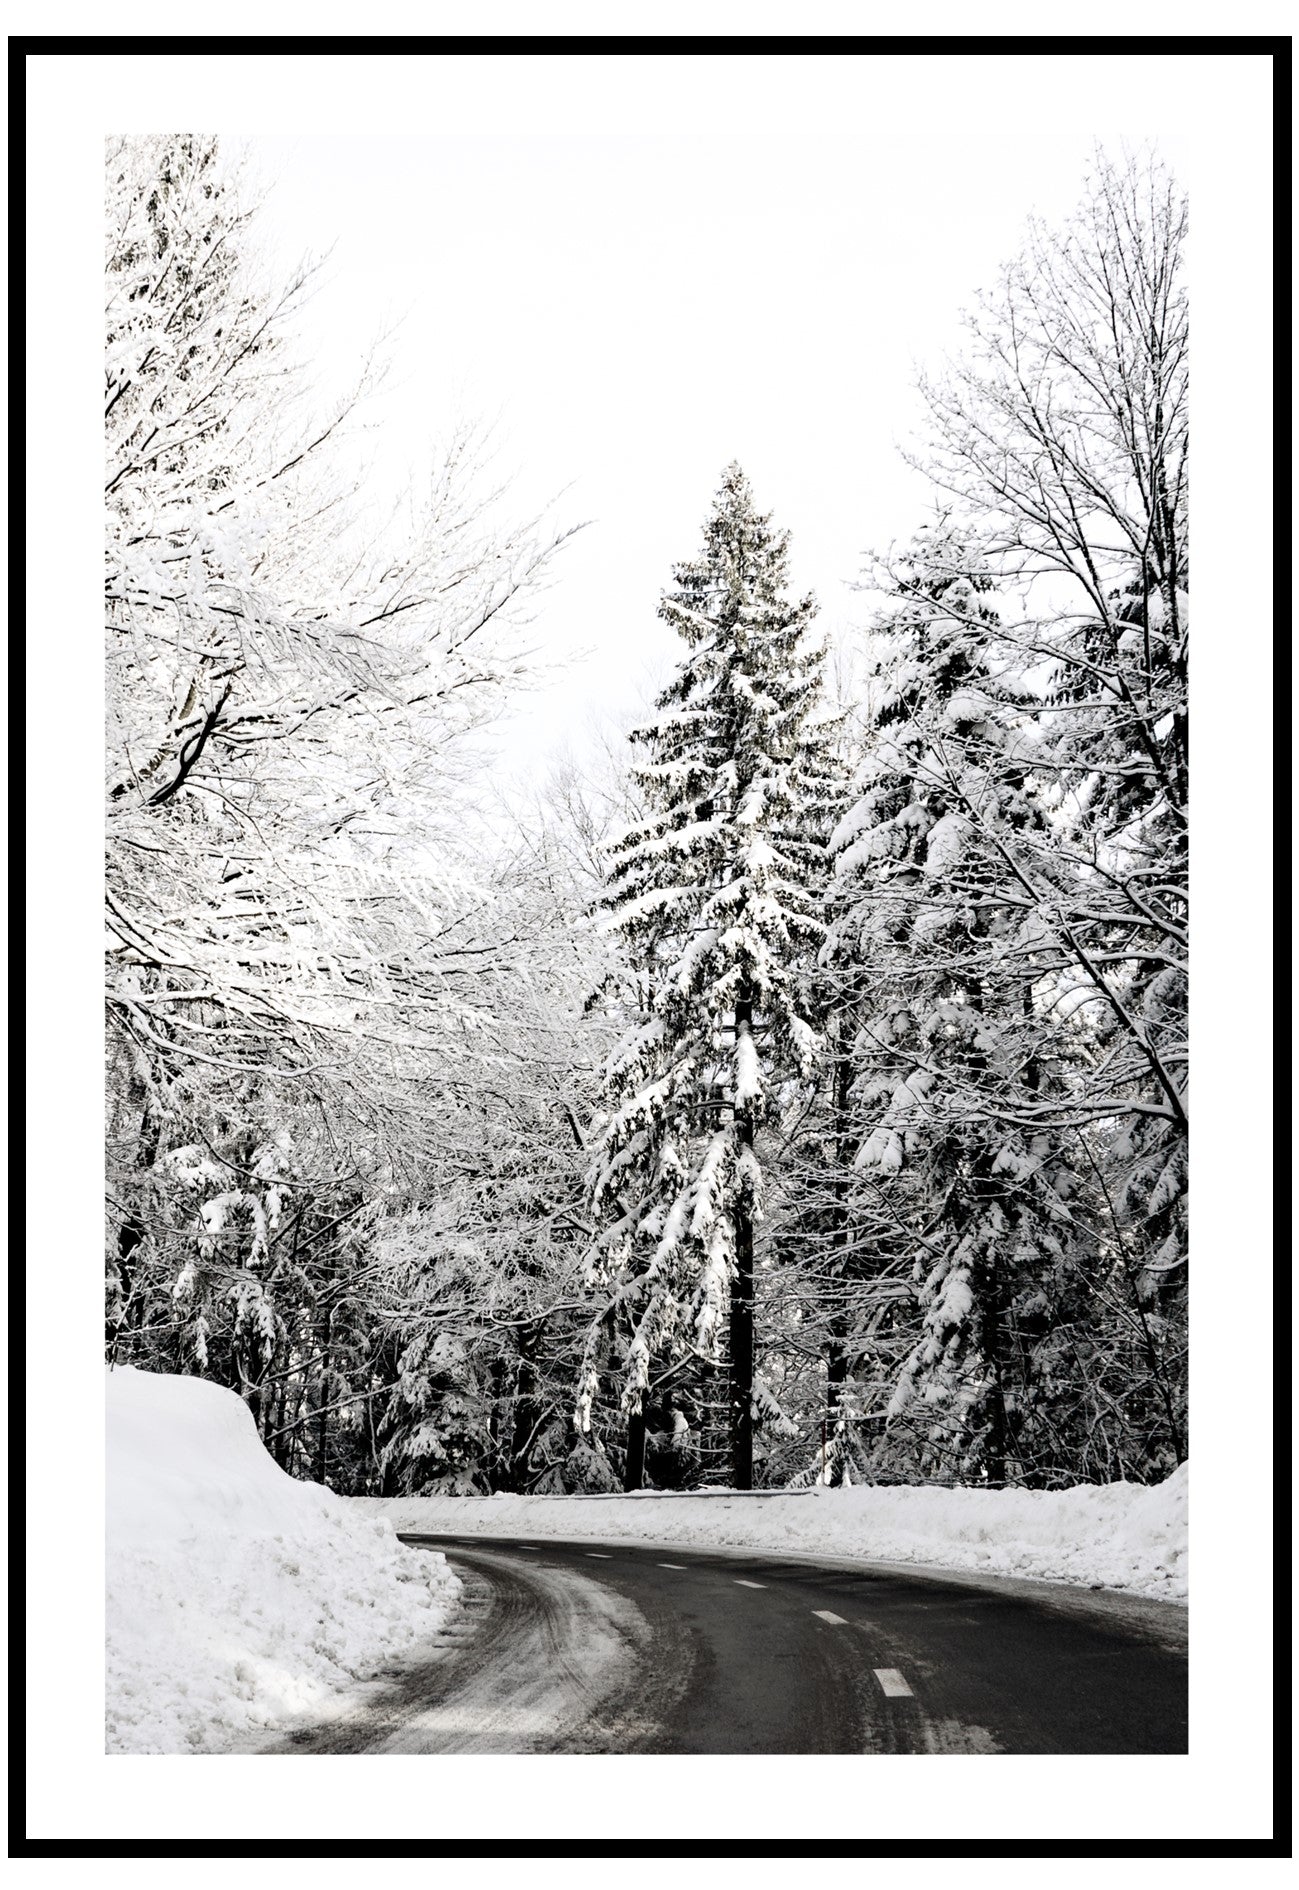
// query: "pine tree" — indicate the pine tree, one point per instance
point(717, 895)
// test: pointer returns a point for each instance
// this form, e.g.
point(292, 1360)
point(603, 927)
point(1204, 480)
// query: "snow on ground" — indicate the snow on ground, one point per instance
point(1117, 1535)
point(238, 1599)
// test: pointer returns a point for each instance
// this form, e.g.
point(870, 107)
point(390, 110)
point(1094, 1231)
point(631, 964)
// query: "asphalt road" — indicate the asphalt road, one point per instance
point(604, 1647)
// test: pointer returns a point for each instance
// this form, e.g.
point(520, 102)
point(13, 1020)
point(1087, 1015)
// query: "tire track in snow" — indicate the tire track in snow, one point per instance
point(539, 1649)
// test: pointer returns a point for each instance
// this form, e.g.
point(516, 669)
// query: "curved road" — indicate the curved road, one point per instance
point(638, 1647)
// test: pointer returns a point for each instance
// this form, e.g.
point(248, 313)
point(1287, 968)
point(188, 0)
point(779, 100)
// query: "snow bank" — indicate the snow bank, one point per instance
point(238, 1599)
point(1116, 1535)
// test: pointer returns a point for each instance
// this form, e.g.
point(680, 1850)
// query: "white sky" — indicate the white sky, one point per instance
point(936, 159)
point(634, 312)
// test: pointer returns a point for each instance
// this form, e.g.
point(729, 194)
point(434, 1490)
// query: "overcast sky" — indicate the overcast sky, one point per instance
point(636, 311)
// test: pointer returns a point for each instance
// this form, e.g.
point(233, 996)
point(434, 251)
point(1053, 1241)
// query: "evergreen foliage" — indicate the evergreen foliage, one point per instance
point(717, 897)
point(960, 1076)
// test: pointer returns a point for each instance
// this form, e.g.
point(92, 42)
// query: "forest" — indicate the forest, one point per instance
point(797, 1095)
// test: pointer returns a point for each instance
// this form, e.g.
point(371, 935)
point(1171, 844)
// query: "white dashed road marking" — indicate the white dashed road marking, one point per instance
point(824, 1614)
point(741, 1583)
point(892, 1682)
point(528, 1545)
point(595, 1555)
point(680, 1565)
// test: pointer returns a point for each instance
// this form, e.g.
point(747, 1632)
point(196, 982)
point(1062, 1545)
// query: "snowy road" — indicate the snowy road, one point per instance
point(581, 1647)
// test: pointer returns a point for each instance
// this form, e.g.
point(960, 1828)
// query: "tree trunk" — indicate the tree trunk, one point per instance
point(322, 1440)
point(836, 1346)
point(742, 1293)
point(634, 1476)
point(836, 1377)
point(279, 1446)
point(527, 1410)
point(993, 1343)
point(498, 1466)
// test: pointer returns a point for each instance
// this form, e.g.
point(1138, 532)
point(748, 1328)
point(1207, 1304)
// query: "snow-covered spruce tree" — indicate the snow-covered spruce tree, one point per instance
point(961, 1069)
point(717, 897)
point(836, 1295)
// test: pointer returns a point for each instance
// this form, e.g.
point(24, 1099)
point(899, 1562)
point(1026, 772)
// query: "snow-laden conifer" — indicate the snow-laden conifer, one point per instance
point(718, 897)
point(961, 1064)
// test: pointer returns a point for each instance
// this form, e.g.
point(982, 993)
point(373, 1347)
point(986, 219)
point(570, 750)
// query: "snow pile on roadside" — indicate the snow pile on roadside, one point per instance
point(237, 1598)
point(1116, 1535)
